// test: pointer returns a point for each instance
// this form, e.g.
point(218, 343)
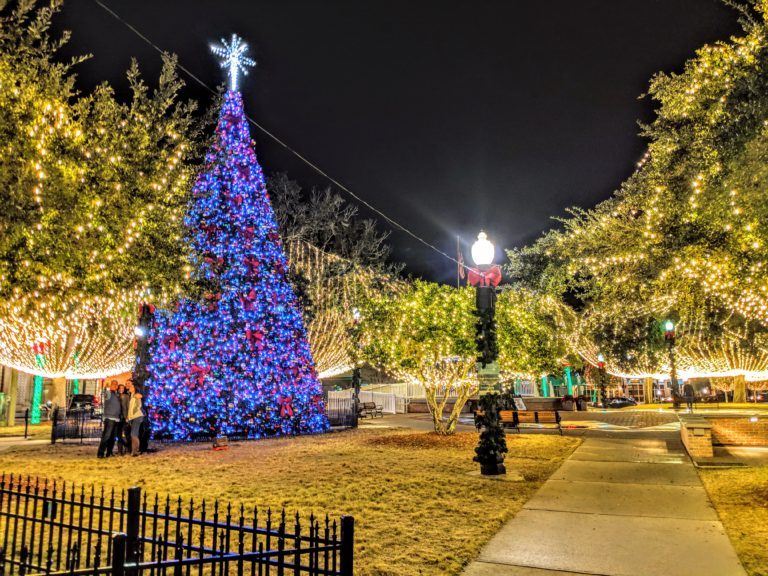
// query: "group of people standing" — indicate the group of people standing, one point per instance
point(123, 416)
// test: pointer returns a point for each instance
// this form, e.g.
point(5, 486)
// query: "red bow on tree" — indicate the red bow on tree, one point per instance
point(248, 300)
point(245, 171)
point(316, 399)
point(201, 373)
point(273, 236)
point(249, 232)
point(490, 277)
point(217, 262)
point(214, 301)
point(171, 341)
point(286, 409)
point(255, 338)
point(252, 264)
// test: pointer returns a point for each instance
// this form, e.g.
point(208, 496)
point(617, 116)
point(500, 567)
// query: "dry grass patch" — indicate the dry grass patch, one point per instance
point(417, 510)
point(740, 496)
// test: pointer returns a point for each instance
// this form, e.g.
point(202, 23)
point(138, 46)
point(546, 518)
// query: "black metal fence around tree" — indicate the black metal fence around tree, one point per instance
point(56, 529)
point(82, 426)
point(79, 426)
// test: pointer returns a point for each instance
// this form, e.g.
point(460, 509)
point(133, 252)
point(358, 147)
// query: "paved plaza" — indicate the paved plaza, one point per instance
point(616, 507)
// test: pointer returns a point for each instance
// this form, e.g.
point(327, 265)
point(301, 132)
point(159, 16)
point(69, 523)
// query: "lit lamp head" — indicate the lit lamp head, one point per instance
point(482, 250)
point(669, 329)
point(600, 361)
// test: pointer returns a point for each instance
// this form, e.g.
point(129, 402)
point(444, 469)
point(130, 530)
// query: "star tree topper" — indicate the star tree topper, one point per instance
point(233, 57)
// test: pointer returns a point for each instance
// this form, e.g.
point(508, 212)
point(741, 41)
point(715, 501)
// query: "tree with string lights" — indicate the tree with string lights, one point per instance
point(430, 341)
point(237, 360)
point(93, 191)
point(682, 236)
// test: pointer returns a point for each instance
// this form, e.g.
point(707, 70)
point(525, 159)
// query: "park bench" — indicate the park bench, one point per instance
point(369, 409)
point(514, 418)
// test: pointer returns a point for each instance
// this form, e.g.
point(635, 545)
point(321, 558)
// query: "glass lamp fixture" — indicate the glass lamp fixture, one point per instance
point(482, 250)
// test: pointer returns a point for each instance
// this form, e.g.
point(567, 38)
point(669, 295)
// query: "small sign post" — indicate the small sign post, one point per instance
point(488, 377)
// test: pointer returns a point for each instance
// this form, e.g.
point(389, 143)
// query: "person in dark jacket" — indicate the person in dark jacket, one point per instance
point(124, 429)
point(689, 394)
point(111, 416)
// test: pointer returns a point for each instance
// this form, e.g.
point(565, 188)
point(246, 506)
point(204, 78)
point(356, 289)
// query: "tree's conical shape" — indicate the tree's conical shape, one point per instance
point(238, 361)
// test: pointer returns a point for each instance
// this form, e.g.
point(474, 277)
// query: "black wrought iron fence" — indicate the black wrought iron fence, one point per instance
point(55, 529)
point(76, 425)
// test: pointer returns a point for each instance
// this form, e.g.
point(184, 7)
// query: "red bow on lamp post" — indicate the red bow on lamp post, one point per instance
point(489, 277)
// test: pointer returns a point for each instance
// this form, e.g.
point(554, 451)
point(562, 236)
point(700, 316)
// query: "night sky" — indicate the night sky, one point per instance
point(446, 115)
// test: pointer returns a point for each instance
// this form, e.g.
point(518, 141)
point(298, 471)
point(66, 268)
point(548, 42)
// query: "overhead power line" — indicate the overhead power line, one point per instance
point(297, 154)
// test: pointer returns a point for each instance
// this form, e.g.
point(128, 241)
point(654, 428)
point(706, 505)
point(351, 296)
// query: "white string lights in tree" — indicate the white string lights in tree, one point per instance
point(334, 287)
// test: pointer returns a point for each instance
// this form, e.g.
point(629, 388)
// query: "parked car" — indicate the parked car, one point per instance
point(83, 402)
point(762, 396)
point(620, 402)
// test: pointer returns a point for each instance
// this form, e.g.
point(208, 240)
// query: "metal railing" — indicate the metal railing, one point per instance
point(55, 529)
point(77, 425)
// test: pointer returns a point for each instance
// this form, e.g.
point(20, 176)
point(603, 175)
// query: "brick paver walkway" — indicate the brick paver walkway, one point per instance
point(630, 419)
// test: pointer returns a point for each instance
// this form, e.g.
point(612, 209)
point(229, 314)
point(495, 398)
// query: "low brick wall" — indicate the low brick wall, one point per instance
point(738, 430)
point(696, 434)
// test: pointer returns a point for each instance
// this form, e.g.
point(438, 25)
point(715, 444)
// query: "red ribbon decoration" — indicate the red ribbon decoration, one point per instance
point(171, 341)
point(285, 406)
point(255, 338)
point(248, 300)
point(316, 399)
point(201, 373)
point(214, 301)
point(490, 277)
point(252, 264)
point(217, 262)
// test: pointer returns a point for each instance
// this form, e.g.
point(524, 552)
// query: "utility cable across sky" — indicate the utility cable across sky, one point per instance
point(282, 143)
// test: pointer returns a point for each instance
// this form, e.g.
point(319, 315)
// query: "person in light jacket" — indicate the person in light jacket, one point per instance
point(135, 418)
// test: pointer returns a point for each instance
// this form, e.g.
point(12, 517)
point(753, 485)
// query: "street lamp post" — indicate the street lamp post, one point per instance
point(356, 375)
point(485, 277)
point(601, 381)
point(669, 336)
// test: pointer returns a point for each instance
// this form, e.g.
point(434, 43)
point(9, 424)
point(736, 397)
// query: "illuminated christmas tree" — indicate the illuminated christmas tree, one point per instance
point(237, 360)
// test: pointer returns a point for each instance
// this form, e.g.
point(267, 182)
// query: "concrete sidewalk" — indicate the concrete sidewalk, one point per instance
point(631, 507)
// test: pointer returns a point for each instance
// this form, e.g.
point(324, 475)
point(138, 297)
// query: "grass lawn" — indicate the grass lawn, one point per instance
point(416, 509)
point(740, 496)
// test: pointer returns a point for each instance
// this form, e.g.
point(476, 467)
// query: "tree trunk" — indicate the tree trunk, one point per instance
point(59, 392)
point(739, 389)
point(648, 390)
point(436, 408)
point(430, 394)
point(12, 396)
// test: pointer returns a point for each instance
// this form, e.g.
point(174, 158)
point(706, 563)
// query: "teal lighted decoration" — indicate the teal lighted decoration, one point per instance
point(568, 379)
point(76, 382)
